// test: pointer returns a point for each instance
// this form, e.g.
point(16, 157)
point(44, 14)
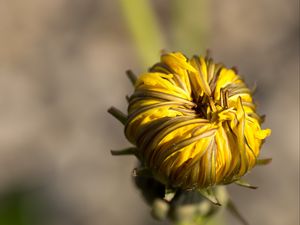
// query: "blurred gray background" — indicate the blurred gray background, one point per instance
point(62, 66)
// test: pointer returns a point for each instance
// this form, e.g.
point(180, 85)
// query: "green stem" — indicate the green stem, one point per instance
point(144, 29)
point(190, 26)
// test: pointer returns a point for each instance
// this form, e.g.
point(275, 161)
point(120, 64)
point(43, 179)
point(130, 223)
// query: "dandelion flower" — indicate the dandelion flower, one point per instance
point(194, 123)
point(194, 128)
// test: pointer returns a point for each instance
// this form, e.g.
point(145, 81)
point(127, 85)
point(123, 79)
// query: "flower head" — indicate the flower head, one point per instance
point(194, 123)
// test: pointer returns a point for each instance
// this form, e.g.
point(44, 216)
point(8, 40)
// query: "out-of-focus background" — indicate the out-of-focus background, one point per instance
point(62, 66)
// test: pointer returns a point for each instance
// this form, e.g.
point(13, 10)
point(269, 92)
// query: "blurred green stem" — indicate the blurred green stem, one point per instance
point(144, 29)
point(190, 28)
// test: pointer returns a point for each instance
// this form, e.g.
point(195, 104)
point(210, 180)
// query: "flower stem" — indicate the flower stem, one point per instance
point(190, 25)
point(144, 29)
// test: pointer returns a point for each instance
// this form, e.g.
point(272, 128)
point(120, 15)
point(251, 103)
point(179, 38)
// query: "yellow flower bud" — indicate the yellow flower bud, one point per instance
point(194, 123)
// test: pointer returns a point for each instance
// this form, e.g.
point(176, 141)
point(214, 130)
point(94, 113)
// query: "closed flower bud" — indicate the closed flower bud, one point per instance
point(194, 123)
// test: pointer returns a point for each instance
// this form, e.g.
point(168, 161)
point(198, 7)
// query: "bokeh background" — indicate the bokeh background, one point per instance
point(62, 66)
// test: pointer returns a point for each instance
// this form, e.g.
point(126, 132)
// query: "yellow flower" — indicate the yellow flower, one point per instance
point(194, 123)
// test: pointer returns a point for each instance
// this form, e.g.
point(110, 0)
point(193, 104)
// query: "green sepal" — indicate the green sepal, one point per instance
point(262, 162)
point(122, 117)
point(142, 172)
point(126, 151)
point(233, 209)
point(245, 184)
point(132, 77)
point(209, 194)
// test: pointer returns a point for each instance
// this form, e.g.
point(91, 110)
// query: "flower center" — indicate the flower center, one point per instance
point(208, 107)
